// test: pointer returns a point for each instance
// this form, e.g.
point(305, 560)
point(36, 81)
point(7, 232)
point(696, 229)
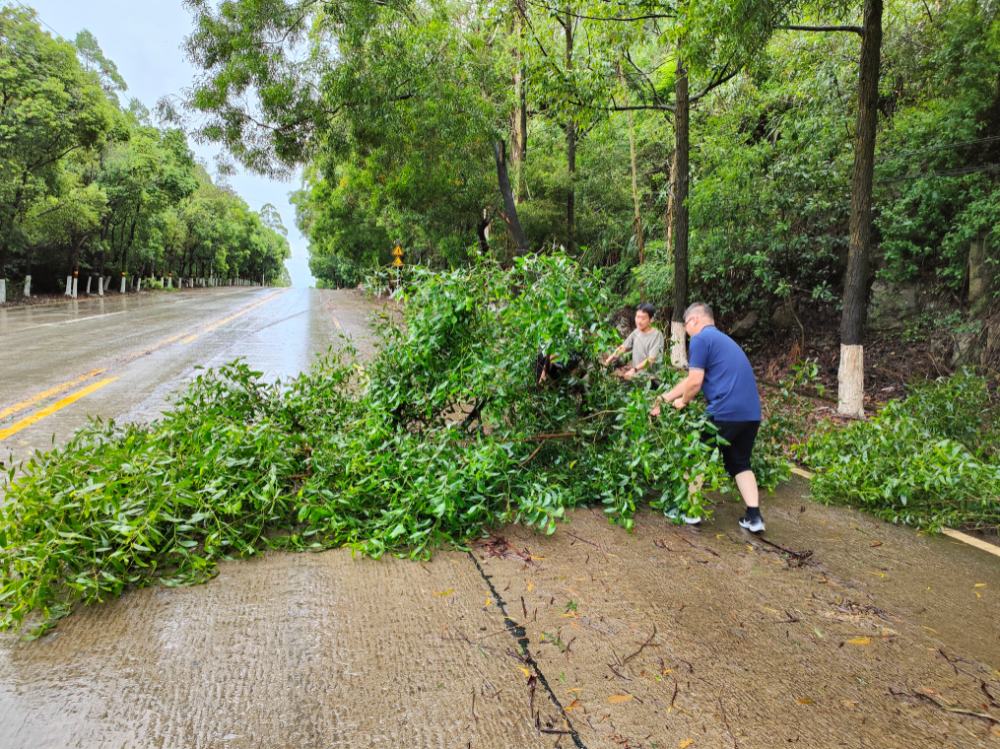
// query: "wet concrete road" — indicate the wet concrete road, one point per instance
point(127, 355)
point(663, 638)
point(652, 639)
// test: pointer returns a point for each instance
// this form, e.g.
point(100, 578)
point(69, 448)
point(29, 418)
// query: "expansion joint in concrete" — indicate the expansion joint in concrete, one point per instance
point(520, 634)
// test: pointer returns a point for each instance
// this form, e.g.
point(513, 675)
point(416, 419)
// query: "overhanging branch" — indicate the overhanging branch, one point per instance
point(852, 29)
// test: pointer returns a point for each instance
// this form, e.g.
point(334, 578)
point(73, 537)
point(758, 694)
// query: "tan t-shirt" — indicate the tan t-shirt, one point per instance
point(648, 345)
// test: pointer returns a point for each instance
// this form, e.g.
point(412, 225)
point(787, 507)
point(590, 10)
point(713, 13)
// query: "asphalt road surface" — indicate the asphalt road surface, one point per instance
point(665, 638)
point(122, 357)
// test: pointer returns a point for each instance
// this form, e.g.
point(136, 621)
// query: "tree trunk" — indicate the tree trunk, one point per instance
point(670, 203)
point(519, 123)
point(510, 207)
point(678, 352)
point(637, 222)
point(852, 323)
point(570, 149)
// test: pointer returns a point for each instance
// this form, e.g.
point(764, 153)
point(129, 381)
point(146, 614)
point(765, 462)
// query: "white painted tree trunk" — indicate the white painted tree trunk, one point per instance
point(100, 286)
point(138, 285)
point(170, 282)
point(678, 348)
point(89, 279)
point(69, 286)
point(123, 284)
point(3, 290)
point(76, 281)
point(851, 392)
point(27, 287)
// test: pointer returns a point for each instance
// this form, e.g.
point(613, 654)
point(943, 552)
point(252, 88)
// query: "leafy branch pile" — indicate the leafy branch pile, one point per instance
point(444, 433)
point(929, 461)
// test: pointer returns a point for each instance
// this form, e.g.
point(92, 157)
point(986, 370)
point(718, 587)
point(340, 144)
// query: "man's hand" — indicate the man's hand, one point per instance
point(629, 374)
point(680, 403)
point(655, 410)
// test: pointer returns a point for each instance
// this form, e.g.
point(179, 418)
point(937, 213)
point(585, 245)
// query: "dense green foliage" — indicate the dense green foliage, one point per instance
point(396, 132)
point(928, 461)
point(384, 457)
point(91, 186)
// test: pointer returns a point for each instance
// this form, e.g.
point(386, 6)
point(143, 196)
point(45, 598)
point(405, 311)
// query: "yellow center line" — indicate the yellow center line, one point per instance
point(230, 319)
point(36, 417)
point(52, 391)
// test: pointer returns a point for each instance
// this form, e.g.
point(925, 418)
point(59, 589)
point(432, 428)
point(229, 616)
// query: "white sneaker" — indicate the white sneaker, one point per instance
point(756, 525)
point(674, 513)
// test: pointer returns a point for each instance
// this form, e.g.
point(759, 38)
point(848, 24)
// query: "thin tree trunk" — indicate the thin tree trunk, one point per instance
point(678, 353)
point(510, 207)
point(670, 203)
point(570, 149)
point(852, 323)
point(519, 124)
point(637, 222)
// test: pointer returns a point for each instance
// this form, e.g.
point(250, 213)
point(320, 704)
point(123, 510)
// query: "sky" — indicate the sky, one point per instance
point(144, 37)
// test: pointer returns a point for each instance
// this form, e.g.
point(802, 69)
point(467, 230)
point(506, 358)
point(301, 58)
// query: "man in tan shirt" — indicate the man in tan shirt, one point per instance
point(645, 342)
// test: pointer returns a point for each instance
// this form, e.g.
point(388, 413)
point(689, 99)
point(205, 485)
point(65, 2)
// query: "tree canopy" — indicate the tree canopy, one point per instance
point(89, 184)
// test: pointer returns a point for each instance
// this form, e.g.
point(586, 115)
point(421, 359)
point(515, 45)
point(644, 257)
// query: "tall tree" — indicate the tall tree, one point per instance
point(51, 107)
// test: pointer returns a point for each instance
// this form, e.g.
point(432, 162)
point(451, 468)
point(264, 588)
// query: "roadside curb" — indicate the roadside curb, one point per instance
point(957, 535)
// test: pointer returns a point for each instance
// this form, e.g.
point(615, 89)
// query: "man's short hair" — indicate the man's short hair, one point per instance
point(699, 308)
point(648, 308)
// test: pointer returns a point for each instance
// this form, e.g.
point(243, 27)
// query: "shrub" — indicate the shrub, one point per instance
point(928, 461)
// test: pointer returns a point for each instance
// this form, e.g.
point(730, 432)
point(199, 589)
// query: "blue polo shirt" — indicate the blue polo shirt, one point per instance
point(730, 386)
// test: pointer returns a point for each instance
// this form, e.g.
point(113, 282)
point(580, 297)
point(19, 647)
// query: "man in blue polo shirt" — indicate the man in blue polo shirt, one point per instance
point(718, 368)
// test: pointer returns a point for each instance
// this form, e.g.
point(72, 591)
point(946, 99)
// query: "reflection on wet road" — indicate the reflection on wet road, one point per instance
point(122, 357)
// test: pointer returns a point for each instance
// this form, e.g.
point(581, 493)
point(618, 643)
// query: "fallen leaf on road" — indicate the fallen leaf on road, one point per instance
point(573, 705)
point(980, 585)
point(526, 671)
point(806, 701)
point(574, 689)
point(877, 543)
point(619, 698)
point(686, 743)
point(446, 593)
point(860, 641)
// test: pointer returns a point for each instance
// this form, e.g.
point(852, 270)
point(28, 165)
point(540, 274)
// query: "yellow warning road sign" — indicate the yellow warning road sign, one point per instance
point(397, 261)
point(398, 252)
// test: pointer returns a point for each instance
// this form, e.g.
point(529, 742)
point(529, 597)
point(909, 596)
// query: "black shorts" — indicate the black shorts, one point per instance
point(741, 436)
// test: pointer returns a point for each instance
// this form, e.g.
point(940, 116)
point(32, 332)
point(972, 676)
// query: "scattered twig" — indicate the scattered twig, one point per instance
point(942, 706)
point(714, 554)
point(799, 556)
point(990, 697)
point(725, 719)
point(616, 673)
point(943, 655)
point(642, 647)
point(573, 535)
point(474, 718)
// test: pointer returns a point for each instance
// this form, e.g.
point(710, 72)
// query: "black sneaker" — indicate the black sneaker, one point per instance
point(754, 525)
